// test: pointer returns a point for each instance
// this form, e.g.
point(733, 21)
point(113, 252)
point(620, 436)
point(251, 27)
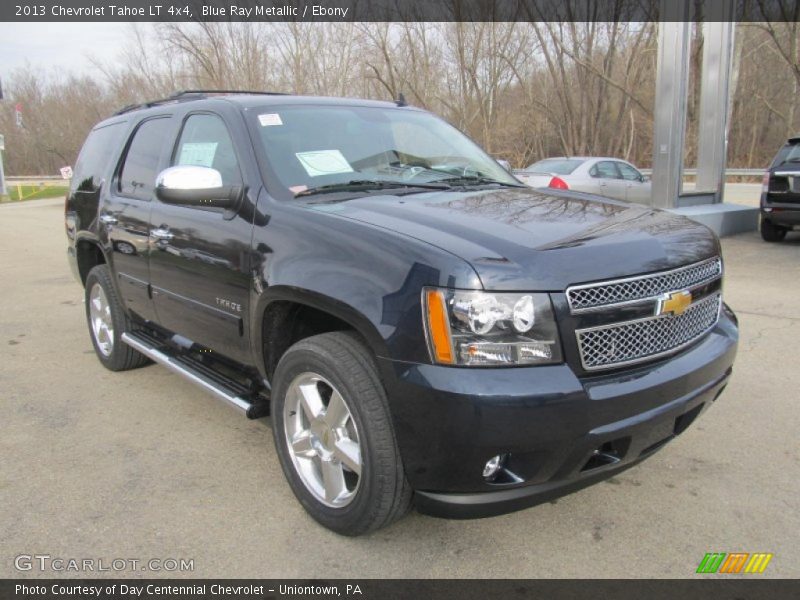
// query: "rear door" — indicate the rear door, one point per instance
point(199, 256)
point(126, 212)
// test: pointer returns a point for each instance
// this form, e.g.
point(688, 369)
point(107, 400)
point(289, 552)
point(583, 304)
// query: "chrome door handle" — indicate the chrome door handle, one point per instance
point(161, 234)
point(108, 219)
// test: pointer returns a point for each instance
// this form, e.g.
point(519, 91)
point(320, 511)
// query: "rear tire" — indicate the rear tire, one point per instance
point(107, 322)
point(771, 232)
point(345, 468)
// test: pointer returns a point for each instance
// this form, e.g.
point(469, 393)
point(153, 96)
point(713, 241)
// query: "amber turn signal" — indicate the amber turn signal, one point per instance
point(439, 327)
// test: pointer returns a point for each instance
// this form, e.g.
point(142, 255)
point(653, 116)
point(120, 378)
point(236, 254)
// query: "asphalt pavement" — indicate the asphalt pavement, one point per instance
point(143, 465)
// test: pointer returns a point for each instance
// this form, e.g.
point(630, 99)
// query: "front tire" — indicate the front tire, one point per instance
point(107, 322)
point(771, 232)
point(334, 435)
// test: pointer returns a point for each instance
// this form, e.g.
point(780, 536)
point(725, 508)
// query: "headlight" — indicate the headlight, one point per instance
point(490, 329)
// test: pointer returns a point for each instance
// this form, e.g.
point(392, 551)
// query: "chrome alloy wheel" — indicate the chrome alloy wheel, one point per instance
point(102, 324)
point(323, 440)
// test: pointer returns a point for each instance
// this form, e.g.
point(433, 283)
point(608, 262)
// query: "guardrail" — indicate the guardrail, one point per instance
point(35, 187)
point(16, 178)
point(693, 172)
point(728, 172)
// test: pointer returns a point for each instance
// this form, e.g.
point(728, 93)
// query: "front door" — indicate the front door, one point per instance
point(636, 188)
point(609, 181)
point(199, 256)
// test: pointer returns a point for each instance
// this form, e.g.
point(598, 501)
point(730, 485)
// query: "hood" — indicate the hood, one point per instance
point(525, 239)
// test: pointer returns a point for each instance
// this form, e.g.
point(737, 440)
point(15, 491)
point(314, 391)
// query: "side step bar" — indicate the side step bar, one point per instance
point(217, 388)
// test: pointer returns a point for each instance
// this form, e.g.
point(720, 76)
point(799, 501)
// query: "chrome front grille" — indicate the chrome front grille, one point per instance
point(631, 342)
point(595, 296)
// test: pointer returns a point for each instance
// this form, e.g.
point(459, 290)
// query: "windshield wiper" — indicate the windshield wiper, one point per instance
point(477, 179)
point(365, 185)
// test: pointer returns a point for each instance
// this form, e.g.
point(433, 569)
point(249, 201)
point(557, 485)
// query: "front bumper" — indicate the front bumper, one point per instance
point(551, 424)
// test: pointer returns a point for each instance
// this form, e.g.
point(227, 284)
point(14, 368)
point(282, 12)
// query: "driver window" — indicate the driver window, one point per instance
point(628, 172)
point(205, 142)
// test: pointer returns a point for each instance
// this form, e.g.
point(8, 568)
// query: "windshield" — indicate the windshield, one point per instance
point(308, 147)
point(788, 154)
point(558, 166)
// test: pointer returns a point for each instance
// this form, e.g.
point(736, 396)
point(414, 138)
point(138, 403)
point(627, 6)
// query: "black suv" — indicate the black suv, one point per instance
point(780, 193)
point(422, 327)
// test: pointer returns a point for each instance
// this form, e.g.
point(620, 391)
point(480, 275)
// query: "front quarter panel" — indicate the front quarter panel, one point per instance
point(366, 275)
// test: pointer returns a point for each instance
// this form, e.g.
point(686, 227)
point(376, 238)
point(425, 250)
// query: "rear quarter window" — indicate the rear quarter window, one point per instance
point(789, 153)
point(95, 156)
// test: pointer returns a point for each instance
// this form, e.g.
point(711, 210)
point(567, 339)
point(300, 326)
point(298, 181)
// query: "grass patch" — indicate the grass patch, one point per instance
point(35, 192)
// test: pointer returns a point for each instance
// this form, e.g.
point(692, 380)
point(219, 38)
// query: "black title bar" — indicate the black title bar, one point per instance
point(702, 588)
point(380, 10)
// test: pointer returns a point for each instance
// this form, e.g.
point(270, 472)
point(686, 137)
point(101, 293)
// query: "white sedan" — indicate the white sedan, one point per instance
point(610, 177)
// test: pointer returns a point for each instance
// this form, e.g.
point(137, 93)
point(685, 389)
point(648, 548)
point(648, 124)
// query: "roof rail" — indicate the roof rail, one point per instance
point(187, 95)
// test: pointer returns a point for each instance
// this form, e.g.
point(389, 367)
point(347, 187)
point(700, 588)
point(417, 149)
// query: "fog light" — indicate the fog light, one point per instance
point(493, 466)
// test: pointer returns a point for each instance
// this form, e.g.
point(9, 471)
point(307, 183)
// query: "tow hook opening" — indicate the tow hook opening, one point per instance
point(610, 453)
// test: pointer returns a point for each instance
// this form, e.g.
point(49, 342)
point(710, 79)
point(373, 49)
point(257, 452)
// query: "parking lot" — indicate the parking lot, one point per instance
point(144, 465)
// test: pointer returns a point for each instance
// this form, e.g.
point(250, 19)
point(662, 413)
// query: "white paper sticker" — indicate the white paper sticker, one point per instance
point(270, 119)
point(324, 162)
point(200, 154)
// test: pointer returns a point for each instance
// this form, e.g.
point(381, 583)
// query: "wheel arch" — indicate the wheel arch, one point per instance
point(284, 315)
point(88, 254)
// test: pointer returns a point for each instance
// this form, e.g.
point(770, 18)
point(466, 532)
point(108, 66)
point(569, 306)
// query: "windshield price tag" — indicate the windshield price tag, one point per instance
point(324, 162)
point(270, 119)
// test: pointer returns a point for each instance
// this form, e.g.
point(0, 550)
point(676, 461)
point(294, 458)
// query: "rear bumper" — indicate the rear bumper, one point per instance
point(783, 214)
point(550, 423)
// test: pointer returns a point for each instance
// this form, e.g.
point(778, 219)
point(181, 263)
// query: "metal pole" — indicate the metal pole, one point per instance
point(672, 78)
point(715, 87)
point(3, 190)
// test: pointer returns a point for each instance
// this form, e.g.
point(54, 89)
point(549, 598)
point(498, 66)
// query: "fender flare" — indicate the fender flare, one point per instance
point(303, 296)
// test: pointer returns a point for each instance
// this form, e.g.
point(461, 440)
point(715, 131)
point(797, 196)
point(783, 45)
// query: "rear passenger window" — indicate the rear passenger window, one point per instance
point(605, 170)
point(138, 176)
point(205, 142)
point(94, 157)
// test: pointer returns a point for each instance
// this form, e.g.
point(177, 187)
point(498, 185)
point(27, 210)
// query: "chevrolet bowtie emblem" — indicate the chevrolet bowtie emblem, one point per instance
point(674, 303)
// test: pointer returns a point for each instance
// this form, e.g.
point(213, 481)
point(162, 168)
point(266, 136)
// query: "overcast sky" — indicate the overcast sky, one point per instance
point(65, 46)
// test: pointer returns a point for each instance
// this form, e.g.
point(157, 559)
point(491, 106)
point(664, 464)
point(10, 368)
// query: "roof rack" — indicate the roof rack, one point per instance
point(187, 95)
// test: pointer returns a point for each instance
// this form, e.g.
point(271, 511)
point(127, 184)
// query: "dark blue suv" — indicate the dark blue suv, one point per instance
point(423, 329)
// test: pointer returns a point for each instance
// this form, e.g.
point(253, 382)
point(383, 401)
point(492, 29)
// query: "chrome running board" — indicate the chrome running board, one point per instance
point(184, 367)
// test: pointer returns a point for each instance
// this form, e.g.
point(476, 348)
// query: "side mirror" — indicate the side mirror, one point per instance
point(504, 163)
point(645, 178)
point(195, 186)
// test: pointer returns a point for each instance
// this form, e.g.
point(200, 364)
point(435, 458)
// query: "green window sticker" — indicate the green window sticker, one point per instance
point(200, 154)
point(324, 162)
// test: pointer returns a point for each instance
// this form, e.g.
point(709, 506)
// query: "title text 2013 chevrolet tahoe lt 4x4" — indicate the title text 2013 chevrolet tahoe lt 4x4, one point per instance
point(422, 328)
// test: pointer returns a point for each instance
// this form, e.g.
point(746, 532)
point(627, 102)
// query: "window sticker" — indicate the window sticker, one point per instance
point(200, 154)
point(324, 162)
point(270, 119)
